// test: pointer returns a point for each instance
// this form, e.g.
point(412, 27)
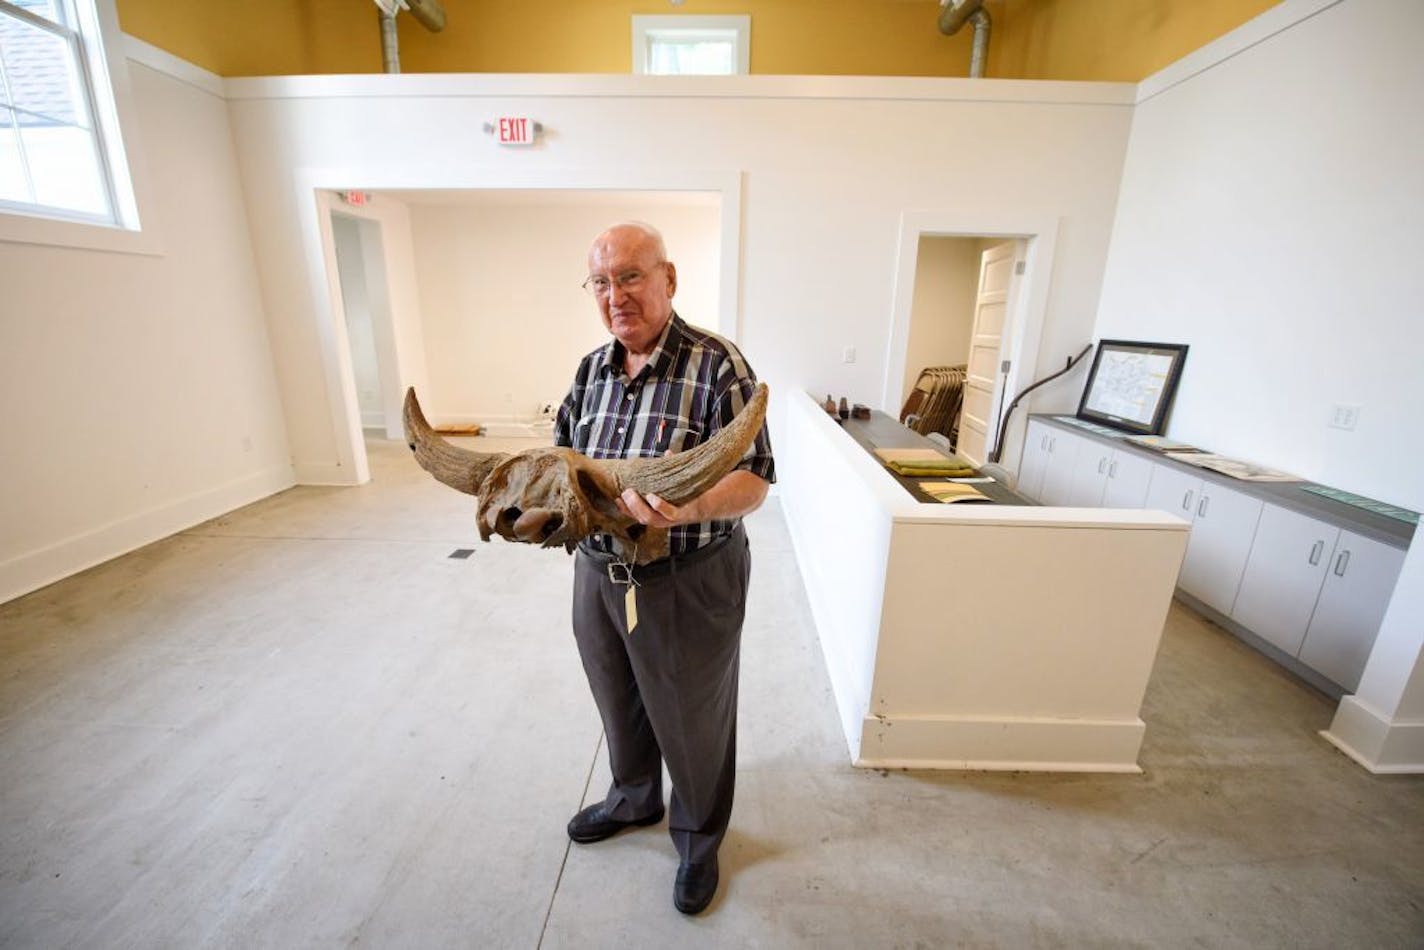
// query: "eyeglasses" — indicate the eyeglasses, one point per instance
point(630, 281)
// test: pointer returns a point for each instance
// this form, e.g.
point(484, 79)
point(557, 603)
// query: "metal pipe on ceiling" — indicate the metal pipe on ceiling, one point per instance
point(953, 14)
point(428, 13)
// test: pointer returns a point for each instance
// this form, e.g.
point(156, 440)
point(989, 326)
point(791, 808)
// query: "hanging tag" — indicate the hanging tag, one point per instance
point(630, 607)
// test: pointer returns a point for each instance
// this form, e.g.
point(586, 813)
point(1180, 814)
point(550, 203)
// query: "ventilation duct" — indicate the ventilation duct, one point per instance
point(955, 13)
point(428, 13)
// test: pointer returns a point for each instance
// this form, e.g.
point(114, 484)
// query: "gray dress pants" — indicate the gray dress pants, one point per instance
point(668, 690)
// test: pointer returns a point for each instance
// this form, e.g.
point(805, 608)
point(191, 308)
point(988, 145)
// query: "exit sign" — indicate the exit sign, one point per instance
point(515, 130)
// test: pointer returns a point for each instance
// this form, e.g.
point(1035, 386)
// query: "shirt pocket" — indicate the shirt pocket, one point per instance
point(678, 438)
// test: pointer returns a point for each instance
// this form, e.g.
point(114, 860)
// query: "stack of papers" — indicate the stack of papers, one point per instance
point(1160, 443)
point(1246, 471)
point(950, 492)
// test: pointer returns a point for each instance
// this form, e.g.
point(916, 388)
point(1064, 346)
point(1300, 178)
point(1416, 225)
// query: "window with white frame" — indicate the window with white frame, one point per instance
point(691, 45)
point(55, 109)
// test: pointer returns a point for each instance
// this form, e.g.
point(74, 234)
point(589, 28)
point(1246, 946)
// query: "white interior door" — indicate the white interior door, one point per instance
point(983, 390)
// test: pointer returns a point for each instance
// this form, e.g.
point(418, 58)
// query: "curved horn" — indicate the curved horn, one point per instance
point(685, 475)
point(459, 468)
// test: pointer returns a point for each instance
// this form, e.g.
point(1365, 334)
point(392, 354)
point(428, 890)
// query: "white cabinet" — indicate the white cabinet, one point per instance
point(1129, 477)
point(1283, 576)
point(1088, 476)
point(1317, 592)
point(1064, 448)
point(1352, 603)
point(1046, 471)
point(1107, 477)
point(1223, 524)
point(1173, 491)
point(1035, 460)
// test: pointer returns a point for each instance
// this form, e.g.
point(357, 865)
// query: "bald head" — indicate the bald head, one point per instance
point(638, 232)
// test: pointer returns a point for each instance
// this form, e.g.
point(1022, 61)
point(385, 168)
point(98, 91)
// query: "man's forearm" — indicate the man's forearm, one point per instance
point(737, 493)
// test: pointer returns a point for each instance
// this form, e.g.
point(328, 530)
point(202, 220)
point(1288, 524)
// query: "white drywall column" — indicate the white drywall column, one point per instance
point(1382, 725)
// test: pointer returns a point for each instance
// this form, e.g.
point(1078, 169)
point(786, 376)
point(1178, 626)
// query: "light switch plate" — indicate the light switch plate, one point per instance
point(1344, 417)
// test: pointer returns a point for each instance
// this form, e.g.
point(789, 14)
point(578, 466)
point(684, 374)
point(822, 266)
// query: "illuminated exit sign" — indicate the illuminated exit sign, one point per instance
point(515, 130)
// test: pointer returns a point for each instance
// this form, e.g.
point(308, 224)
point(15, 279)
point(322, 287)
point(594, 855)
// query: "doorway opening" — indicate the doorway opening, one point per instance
point(968, 313)
point(473, 297)
point(366, 306)
point(957, 335)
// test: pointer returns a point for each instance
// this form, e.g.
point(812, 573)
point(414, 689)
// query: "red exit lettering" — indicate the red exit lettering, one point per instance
point(515, 130)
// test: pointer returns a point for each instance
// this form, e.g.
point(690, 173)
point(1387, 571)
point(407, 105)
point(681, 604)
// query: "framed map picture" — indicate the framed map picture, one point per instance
point(1131, 385)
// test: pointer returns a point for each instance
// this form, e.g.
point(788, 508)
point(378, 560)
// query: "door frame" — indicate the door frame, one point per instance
point(313, 190)
point(1023, 323)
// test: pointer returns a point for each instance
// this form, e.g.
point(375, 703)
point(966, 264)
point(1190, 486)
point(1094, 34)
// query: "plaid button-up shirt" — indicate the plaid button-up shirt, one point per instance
point(694, 383)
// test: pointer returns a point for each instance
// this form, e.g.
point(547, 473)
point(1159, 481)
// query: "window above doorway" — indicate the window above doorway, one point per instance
point(692, 45)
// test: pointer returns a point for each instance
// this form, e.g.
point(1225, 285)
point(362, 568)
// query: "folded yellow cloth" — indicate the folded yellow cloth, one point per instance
point(924, 462)
point(921, 469)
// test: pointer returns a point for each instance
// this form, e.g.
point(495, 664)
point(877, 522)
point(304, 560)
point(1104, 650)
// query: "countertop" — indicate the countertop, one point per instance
point(883, 431)
point(1289, 495)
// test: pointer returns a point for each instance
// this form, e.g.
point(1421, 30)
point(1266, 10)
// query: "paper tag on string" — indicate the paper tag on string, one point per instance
point(630, 607)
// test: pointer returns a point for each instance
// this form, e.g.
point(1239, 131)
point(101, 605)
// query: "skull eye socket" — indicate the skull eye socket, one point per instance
point(595, 494)
point(508, 516)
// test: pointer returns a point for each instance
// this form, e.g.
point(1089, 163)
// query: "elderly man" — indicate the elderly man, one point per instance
point(660, 642)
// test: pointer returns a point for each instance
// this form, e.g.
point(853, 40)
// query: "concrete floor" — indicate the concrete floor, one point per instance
point(305, 725)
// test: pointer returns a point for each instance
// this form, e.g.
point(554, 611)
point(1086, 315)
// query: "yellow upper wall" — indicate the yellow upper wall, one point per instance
point(1105, 40)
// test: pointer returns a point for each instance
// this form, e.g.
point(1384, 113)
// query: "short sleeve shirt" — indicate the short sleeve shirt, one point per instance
point(694, 383)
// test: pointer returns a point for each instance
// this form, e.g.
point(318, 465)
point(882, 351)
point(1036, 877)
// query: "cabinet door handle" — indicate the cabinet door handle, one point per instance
point(1102, 464)
point(1315, 551)
point(1201, 506)
point(1112, 469)
point(1187, 501)
point(1342, 562)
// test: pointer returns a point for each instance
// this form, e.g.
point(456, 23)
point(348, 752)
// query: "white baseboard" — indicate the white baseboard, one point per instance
point(35, 569)
point(502, 425)
point(1381, 745)
point(516, 430)
point(323, 473)
point(1001, 744)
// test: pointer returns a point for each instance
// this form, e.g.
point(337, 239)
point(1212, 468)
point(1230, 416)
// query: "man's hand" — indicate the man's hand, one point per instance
point(736, 494)
point(651, 510)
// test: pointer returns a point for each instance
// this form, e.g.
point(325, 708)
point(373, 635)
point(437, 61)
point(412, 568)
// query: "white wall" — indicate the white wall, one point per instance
point(138, 386)
point(505, 320)
point(826, 168)
point(1270, 218)
point(942, 314)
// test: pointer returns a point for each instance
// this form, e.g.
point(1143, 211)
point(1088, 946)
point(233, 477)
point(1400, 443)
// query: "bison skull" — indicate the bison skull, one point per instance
point(556, 497)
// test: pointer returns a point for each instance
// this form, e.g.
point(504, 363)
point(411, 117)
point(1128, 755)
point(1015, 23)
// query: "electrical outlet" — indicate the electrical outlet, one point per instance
point(1344, 417)
point(848, 355)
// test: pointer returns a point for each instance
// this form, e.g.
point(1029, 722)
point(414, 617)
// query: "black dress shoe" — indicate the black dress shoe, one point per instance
point(594, 824)
point(695, 887)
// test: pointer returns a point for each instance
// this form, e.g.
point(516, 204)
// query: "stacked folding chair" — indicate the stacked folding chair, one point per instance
point(934, 404)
